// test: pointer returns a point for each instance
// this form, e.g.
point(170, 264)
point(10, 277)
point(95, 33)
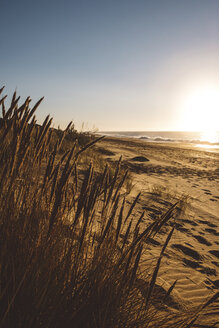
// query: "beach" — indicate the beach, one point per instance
point(165, 173)
point(124, 236)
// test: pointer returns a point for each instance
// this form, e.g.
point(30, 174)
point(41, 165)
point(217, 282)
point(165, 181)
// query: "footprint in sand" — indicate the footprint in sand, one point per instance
point(206, 190)
point(215, 263)
point(188, 251)
point(212, 225)
point(215, 253)
point(208, 271)
point(182, 229)
point(202, 240)
point(190, 222)
point(191, 264)
point(212, 231)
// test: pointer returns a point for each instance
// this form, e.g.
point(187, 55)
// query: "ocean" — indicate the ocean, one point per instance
point(208, 140)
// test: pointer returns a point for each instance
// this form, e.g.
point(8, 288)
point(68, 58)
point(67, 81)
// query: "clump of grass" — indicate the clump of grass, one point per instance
point(162, 192)
point(70, 256)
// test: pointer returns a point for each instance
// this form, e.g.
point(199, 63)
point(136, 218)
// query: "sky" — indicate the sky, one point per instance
point(119, 65)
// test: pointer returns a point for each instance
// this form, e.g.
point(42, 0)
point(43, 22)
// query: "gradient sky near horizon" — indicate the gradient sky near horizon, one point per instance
point(116, 65)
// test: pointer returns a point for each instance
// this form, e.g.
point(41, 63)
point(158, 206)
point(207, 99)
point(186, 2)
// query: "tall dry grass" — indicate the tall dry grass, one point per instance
point(70, 248)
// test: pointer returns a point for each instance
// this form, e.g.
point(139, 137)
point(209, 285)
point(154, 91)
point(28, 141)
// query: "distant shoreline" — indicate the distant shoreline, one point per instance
point(195, 139)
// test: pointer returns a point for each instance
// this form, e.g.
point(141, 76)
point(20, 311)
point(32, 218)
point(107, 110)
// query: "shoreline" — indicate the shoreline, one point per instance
point(191, 139)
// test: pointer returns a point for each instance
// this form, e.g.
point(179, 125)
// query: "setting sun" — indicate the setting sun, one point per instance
point(200, 110)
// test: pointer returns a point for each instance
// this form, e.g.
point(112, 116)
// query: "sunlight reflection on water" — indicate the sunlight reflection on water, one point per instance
point(208, 146)
point(210, 136)
point(210, 140)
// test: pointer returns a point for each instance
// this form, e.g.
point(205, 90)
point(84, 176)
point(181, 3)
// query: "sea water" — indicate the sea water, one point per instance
point(208, 140)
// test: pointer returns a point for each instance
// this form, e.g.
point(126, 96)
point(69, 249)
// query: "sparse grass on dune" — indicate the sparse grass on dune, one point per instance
point(161, 192)
point(70, 256)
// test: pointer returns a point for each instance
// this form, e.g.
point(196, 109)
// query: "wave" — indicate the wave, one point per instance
point(193, 141)
point(164, 136)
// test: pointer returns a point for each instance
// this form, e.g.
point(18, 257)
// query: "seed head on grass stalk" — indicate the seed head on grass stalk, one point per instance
point(69, 255)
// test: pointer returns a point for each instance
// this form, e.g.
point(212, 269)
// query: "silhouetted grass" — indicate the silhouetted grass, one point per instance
point(70, 256)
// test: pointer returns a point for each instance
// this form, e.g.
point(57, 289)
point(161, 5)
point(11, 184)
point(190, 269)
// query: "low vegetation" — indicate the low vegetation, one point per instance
point(70, 248)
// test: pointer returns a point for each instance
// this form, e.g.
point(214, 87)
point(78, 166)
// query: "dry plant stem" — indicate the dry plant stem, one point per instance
point(69, 255)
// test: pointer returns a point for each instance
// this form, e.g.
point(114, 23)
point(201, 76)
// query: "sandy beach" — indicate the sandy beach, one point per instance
point(165, 173)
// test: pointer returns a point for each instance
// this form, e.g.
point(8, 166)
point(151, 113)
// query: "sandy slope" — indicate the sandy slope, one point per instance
point(173, 171)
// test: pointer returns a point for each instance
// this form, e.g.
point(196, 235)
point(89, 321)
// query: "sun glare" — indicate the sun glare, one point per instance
point(209, 136)
point(200, 111)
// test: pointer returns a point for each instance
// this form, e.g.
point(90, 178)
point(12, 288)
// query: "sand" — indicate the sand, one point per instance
point(164, 173)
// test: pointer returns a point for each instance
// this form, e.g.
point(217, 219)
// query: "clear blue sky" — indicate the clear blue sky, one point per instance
point(118, 65)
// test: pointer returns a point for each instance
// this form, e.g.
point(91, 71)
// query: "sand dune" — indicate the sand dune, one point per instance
point(171, 172)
